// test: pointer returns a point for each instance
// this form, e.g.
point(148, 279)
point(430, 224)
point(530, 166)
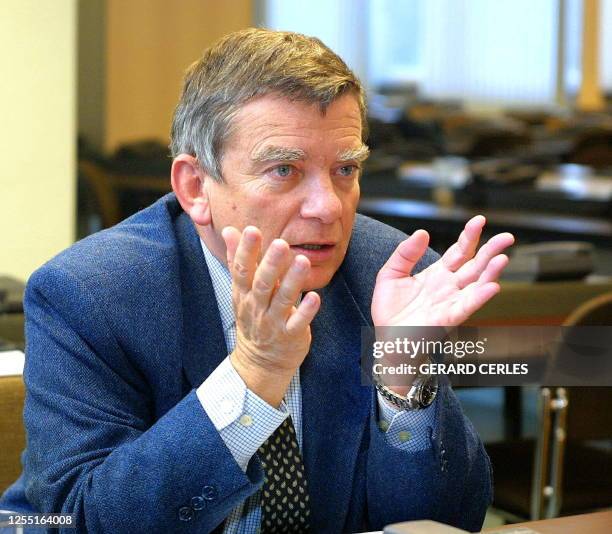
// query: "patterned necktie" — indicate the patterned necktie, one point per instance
point(284, 498)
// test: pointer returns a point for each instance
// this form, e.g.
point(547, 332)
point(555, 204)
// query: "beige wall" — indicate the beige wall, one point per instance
point(149, 45)
point(37, 132)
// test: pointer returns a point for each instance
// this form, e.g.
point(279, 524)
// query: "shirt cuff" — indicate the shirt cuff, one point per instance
point(244, 420)
point(408, 430)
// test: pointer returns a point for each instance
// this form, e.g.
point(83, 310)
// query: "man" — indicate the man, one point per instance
point(196, 368)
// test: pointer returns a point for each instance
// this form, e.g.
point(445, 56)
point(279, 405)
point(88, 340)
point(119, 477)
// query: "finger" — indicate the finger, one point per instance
point(473, 298)
point(273, 266)
point(470, 271)
point(493, 270)
point(405, 256)
point(231, 236)
point(304, 314)
point(290, 287)
point(245, 260)
point(465, 247)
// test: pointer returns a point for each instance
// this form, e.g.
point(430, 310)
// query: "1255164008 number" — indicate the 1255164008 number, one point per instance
point(14, 519)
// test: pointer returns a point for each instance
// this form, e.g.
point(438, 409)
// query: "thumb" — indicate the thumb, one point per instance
point(405, 256)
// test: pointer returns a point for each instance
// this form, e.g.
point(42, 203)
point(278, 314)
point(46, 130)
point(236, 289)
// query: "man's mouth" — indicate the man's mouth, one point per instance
point(315, 252)
point(313, 246)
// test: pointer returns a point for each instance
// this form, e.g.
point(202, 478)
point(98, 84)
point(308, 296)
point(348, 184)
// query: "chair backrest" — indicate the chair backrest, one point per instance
point(589, 416)
point(594, 312)
point(576, 414)
point(12, 434)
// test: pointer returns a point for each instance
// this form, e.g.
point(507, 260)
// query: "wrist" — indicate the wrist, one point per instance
point(268, 384)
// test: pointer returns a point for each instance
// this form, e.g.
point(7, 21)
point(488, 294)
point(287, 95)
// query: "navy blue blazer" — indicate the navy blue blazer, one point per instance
point(121, 329)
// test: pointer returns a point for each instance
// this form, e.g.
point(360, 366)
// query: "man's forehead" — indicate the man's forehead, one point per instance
point(274, 112)
point(272, 128)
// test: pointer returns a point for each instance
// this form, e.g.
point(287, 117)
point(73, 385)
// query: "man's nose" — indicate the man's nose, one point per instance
point(321, 200)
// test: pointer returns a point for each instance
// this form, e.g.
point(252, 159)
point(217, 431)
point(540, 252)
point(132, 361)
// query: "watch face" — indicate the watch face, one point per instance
point(429, 388)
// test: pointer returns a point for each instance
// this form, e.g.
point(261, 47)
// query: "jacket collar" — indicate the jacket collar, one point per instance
point(203, 340)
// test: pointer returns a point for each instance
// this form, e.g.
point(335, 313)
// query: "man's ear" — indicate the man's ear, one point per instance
point(188, 185)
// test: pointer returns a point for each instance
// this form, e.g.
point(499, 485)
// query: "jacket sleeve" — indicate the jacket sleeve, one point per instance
point(449, 482)
point(94, 448)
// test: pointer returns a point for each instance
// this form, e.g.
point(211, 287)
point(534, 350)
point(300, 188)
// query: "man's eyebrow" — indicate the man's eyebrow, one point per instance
point(354, 154)
point(278, 153)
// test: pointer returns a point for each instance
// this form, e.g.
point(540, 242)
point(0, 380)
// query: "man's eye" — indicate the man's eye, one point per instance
point(347, 170)
point(284, 170)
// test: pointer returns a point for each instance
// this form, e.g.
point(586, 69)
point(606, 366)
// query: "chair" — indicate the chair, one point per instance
point(120, 194)
point(12, 434)
point(565, 471)
point(11, 313)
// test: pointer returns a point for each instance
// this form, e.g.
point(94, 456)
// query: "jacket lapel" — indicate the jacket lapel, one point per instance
point(203, 341)
point(334, 405)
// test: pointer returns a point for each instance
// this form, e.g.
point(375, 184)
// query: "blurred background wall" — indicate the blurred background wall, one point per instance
point(107, 69)
point(37, 132)
point(132, 59)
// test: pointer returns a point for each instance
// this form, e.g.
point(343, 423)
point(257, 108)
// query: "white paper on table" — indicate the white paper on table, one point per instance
point(11, 363)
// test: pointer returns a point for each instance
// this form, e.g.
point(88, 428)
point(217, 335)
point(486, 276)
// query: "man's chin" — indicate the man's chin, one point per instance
point(319, 277)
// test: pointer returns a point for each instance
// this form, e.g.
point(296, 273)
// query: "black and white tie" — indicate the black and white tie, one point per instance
point(285, 505)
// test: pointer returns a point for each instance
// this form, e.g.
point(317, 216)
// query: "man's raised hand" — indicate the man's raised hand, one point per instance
point(272, 334)
point(449, 290)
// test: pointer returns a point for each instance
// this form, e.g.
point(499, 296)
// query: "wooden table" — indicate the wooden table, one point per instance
point(595, 523)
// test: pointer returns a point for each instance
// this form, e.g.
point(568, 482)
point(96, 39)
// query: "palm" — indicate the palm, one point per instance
point(447, 292)
point(415, 301)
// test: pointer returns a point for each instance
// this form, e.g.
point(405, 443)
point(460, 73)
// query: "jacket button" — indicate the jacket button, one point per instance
point(185, 513)
point(209, 493)
point(197, 502)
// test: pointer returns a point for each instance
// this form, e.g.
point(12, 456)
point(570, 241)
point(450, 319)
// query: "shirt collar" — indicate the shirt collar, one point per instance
point(222, 286)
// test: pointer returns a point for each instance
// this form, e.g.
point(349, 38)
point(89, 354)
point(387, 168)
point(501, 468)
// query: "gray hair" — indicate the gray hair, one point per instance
point(247, 64)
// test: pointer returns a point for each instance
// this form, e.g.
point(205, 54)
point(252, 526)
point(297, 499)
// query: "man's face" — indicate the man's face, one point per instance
point(293, 173)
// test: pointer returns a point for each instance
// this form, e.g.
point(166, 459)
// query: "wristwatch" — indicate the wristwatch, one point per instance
point(421, 394)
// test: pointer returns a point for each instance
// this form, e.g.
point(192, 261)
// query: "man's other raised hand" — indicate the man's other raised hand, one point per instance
point(447, 292)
